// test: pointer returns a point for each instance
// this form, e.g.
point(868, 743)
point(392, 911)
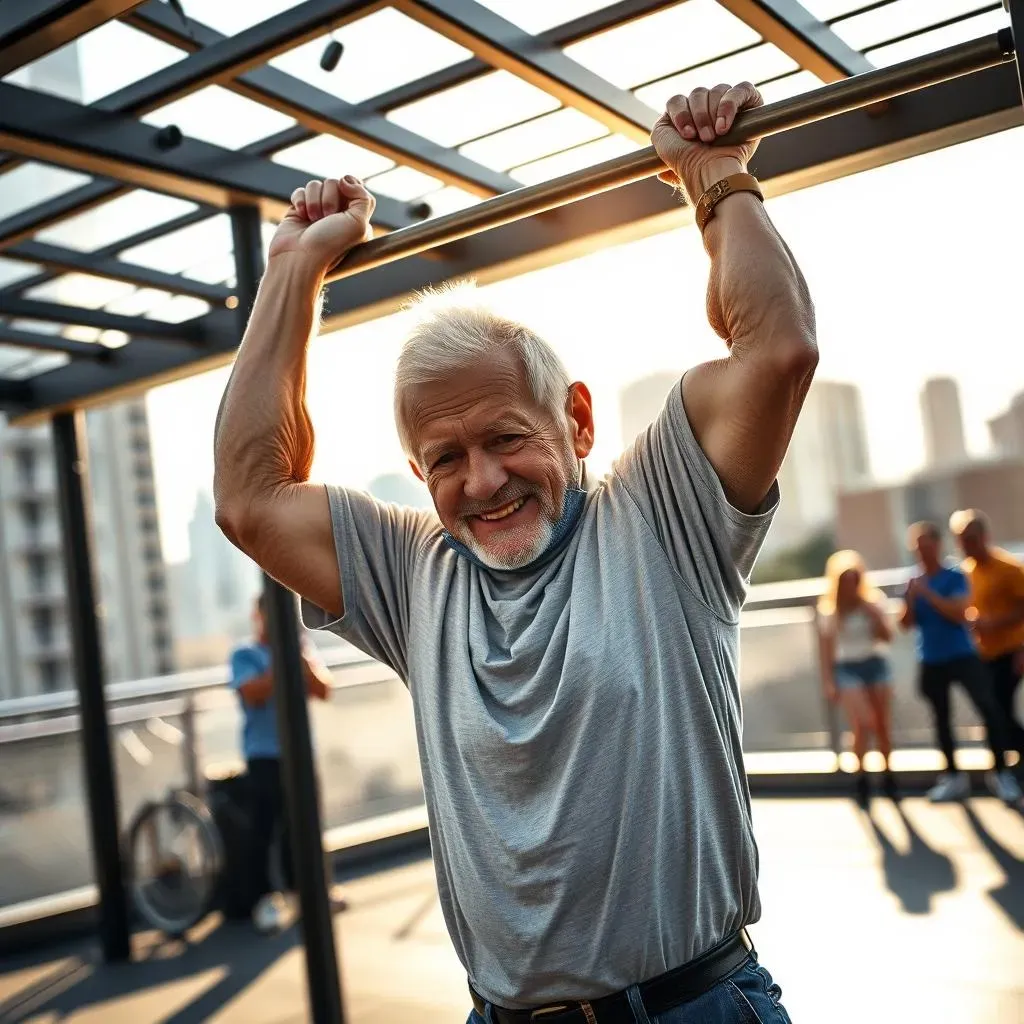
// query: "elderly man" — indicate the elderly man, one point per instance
point(570, 645)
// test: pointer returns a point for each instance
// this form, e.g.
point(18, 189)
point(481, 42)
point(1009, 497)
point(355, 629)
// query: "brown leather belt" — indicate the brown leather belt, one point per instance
point(659, 994)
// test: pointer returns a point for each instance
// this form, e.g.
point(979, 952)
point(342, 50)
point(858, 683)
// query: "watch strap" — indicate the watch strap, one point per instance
point(705, 208)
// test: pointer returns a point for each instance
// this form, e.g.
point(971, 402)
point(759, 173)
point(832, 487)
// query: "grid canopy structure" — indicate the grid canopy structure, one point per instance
point(139, 137)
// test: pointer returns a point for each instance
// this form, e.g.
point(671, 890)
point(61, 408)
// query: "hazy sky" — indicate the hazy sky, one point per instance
point(912, 277)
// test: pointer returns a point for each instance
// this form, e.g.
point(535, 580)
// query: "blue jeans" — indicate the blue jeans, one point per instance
point(747, 996)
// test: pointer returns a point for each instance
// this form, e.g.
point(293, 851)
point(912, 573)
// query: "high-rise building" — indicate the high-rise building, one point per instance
point(943, 423)
point(35, 647)
point(828, 454)
point(212, 593)
point(1007, 429)
point(642, 400)
point(127, 557)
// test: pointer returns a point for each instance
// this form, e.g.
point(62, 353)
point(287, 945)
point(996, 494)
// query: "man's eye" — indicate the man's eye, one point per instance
point(443, 460)
point(507, 439)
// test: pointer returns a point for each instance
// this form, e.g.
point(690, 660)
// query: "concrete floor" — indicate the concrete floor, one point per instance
point(912, 914)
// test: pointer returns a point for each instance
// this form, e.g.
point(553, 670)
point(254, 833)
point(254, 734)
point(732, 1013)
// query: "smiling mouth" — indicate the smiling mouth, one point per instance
point(502, 513)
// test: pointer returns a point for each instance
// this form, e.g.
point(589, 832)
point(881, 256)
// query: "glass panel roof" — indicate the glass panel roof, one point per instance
point(535, 16)
point(76, 332)
point(479, 107)
point(403, 183)
point(36, 326)
point(12, 271)
point(233, 16)
point(790, 85)
point(754, 65)
point(174, 252)
point(937, 39)
point(679, 37)
point(574, 159)
point(824, 10)
point(410, 51)
point(87, 69)
point(137, 302)
point(22, 363)
point(81, 290)
point(218, 270)
point(32, 183)
point(220, 117)
point(179, 308)
point(896, 19)
point(448, 200)
point(534, 139)
point(115, 219)
point(328, 157)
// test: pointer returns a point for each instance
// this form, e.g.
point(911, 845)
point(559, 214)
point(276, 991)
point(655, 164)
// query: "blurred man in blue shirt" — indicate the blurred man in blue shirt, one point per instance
point(252, 679)
point(937, 604)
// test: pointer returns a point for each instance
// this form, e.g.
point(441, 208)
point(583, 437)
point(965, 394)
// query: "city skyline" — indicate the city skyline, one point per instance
point(901, 291)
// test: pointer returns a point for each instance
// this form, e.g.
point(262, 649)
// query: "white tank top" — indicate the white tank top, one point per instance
point(855, 639)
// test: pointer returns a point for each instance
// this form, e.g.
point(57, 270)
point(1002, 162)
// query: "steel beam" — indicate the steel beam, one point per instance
point(1016, 12)
point(317, 111)
point(920, 122)
point(68, 261)
point(795, 31)
point(507, 46)
point(71, 456)
point(30, 29)
point(58, 131)
point(53, 343)
point(25, 223)
point(189, 332)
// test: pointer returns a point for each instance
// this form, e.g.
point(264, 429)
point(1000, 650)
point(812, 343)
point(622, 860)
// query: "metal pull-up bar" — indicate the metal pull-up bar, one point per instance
point(836, 98)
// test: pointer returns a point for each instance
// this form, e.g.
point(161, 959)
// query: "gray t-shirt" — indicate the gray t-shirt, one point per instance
point(579, 723)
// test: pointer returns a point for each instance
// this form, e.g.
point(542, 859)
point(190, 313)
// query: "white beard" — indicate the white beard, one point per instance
point(496, 559)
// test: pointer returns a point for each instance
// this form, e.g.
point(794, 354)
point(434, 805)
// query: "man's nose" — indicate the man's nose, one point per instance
point(485, 475)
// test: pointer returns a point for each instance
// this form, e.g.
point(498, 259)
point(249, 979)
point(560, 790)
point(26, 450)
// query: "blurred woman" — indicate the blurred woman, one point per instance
point(855, 670)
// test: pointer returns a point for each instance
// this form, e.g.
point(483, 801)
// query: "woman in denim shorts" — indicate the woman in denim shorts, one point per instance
point(855, 670)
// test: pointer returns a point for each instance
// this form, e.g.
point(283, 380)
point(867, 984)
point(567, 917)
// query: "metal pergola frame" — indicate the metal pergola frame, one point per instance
point(961, 94)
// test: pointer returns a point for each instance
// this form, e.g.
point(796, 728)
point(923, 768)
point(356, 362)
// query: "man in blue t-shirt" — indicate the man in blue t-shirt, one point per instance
point(937, 602)
point(252, 679)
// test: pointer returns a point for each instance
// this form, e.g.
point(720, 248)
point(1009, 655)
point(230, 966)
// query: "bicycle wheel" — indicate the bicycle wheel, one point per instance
point(175, 858)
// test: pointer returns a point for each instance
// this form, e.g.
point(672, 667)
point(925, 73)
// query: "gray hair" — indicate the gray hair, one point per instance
point(453, 329)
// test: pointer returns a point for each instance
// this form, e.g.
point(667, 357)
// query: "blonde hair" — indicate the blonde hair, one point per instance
point(837, 564)
point(453, 328)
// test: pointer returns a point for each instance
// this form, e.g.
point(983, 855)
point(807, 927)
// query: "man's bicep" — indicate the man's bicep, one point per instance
point(742, 412)
point(291, 538)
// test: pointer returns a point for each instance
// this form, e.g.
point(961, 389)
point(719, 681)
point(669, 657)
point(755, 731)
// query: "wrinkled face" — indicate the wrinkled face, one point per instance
point(972, 541)
point(496, 464)
point(928, 548)
point(848, 584)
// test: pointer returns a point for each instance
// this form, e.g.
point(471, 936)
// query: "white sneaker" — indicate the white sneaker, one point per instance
point(1004, 785)
point(268, 914)
point(951, 786)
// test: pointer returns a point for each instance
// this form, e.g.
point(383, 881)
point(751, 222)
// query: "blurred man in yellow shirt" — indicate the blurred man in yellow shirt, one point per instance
point(997, 599)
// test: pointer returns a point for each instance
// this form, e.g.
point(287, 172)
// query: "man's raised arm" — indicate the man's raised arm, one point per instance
point(263, 440)
point(742, 408)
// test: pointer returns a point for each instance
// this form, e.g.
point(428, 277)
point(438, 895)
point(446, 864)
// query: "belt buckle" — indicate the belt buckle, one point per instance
point(583, 1006)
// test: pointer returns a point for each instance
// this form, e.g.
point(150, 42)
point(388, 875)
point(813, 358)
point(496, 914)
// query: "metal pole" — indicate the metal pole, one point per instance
point(70, 449)
point(836, 98)
point(1016, 11)
point(301, 792)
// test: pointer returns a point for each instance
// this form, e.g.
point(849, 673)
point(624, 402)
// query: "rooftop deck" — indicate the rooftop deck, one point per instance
point(912, 913)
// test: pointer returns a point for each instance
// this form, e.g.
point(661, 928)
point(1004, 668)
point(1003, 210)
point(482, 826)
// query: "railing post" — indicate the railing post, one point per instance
point(70, 452)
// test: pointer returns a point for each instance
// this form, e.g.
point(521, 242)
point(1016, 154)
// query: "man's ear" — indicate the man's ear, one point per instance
point(579, 406)
point(416, 471)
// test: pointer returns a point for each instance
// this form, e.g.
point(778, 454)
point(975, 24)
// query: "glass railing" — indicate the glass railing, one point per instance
point(364, 739)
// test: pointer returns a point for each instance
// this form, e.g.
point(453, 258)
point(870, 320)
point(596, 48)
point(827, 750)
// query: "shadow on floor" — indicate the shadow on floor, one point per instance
point(1010, 895)
point(80, 979)
point(914, 875)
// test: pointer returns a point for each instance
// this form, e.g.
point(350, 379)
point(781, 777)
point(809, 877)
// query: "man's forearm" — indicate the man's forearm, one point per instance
point(263, 436)
point(949, 608)
point(758, 299)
